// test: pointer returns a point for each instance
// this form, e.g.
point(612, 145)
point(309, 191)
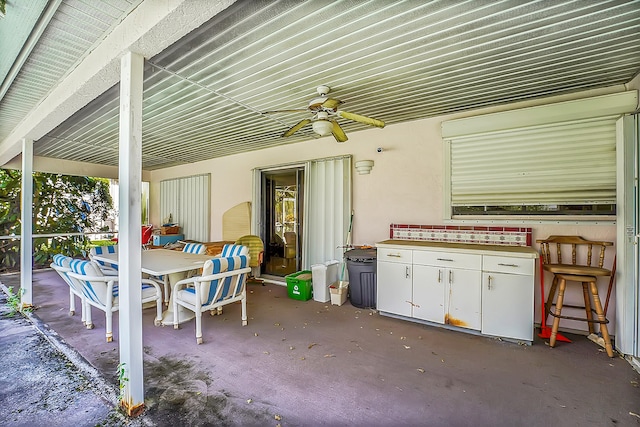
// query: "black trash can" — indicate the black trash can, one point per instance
point(361, 264)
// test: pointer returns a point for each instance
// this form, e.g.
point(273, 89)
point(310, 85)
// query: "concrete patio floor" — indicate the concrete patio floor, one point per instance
point(309, 363)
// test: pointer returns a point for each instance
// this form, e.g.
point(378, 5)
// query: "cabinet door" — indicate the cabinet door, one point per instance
point(464, 298)
point(428, 293)
point(507, 305)
point(394, 288)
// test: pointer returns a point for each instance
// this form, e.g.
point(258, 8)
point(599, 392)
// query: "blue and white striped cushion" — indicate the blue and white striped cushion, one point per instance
point(101, 250)
point(88, 268)
point(61, 260)
point(220, 265)
point(230, 250)
point(194, 248)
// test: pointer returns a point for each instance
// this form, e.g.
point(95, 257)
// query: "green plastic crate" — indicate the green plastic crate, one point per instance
point(299, 285)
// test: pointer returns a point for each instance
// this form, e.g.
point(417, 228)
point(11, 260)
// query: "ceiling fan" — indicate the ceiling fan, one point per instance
point(325, 112)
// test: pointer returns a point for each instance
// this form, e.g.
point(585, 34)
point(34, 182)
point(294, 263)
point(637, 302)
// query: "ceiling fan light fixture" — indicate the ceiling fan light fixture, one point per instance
point(322, 127)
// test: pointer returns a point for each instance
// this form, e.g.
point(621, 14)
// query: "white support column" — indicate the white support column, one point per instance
point(26, 219)
point(130, 239)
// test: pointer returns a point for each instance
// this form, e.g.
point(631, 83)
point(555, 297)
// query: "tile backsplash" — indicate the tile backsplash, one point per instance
point(483, 235)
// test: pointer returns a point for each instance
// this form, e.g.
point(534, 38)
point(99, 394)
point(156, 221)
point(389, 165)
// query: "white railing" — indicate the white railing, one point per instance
point(102, 235)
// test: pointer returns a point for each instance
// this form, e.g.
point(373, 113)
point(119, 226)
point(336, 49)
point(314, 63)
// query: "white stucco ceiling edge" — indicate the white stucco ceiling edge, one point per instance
point(148, 30)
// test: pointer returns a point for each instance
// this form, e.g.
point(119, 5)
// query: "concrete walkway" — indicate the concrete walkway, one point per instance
point(46, 382)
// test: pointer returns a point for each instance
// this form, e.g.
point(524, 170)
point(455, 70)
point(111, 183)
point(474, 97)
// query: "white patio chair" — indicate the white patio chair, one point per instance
point(61, 264)
point(107, 268)
point(231, 249)
point(223, 281)
point(101, 291)
point(191, 248)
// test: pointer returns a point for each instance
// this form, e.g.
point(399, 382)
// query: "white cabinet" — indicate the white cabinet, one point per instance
point(445, 288)
point(507, 297)
point(394, 281)
point(467, 289)
point(428, 293)
point(464, 299)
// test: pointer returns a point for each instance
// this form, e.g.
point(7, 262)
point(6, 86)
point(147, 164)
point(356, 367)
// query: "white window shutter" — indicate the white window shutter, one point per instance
point(563, 163)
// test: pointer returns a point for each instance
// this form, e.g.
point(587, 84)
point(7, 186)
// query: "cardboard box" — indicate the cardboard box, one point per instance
point(174, 229)
point(338, 292)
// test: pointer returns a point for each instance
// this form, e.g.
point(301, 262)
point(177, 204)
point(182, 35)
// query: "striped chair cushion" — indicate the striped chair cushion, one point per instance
point(194, 248)
point(230, 250)
point(61, 260)
point(94, 291)
point(101, 250)
point(109, 249)
point(215, 266)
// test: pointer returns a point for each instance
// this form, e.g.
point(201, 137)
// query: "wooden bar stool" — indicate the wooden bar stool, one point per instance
point(586, 272)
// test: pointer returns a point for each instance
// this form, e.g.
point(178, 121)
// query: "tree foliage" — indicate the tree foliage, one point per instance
point(61, 204)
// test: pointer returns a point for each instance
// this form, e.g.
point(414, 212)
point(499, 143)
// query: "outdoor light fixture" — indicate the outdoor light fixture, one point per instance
point(364, 167)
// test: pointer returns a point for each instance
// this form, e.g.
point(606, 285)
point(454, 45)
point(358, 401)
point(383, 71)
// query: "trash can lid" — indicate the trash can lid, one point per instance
point(361, 254)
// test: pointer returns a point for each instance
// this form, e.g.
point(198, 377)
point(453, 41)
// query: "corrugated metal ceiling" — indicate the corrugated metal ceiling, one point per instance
point(72, 29)
point(396, 61)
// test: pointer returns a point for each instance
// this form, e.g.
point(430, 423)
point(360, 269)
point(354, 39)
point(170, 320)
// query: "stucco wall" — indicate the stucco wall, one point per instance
point(405, 185)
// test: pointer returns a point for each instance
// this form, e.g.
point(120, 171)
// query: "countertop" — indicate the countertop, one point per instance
point(519, 251)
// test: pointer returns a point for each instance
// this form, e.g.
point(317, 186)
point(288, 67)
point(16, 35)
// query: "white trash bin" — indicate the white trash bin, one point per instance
point(322, 276)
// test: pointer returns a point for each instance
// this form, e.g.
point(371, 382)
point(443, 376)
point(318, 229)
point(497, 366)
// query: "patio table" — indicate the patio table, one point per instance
point(162, 262)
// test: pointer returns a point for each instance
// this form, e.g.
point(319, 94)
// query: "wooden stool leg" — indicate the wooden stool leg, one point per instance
point(556, 318)
point(550, 295)
point(603, 326)
point(587, 306)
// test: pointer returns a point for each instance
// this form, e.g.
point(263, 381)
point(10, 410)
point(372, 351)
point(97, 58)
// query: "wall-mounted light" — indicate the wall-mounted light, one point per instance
point(364, 166)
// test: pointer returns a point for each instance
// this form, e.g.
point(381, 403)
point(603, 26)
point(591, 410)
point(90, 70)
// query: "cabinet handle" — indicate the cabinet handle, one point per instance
point(445, 259)
point(439, 276)
point(406, 272)
point(508, 265)
point(489, 283)
point(413, 304)
point(450, 276)
point(395, 255)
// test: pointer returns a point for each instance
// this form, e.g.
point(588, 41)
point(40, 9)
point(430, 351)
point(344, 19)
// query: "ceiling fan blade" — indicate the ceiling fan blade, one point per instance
point(297, 127)
point(299, 110)
point(361, 119)
point(331, 103)
point(338, 133)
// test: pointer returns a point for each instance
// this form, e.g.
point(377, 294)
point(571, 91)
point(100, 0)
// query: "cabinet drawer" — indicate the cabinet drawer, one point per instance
point(448, 260)
point(394, 255)
point(511, 265)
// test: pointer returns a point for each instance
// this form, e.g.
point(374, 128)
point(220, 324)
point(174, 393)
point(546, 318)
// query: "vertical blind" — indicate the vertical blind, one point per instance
point(187, 201)
point(327, 210)
point(572, 162)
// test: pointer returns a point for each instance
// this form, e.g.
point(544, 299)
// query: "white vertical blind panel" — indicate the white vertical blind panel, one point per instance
point(187, 200)
point(572, 162)
point(328, 209)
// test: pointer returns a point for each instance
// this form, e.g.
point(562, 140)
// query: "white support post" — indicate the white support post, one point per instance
point(130, 238)
point(26, 218)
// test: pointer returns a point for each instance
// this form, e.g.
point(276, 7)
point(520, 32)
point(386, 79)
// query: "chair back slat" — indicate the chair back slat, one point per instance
point(575, 243)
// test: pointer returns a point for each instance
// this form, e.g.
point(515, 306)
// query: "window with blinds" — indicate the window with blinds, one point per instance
point(549, 160)
point(187, 201)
